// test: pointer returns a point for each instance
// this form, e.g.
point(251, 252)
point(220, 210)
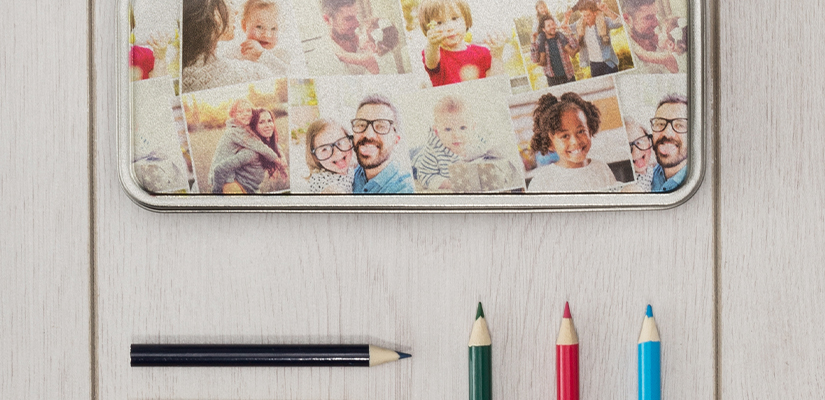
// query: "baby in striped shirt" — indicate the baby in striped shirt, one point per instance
point(452, 141)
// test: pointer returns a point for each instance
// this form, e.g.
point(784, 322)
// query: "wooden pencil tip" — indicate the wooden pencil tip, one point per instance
point(649, 312)
point(402, 356)
point(480, 311)
point(567, 310)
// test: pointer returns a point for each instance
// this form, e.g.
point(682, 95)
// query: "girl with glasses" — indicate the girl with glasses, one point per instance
point(641, 150)
point(329, 157)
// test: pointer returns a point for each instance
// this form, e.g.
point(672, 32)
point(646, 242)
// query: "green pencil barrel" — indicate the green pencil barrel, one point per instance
point(481, 373)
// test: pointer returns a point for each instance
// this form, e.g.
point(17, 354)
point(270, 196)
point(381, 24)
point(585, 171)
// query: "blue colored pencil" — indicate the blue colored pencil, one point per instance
point(650, 359)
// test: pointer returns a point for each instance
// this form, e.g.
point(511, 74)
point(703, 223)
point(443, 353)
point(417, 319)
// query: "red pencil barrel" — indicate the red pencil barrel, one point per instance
point(567, 372)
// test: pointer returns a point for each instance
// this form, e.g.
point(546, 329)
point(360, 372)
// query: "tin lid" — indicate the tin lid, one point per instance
point(384, 106)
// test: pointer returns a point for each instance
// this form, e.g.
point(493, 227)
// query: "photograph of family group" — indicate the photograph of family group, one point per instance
point(409, 96)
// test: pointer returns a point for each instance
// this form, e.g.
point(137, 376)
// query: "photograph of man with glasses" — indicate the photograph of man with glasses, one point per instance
point(376, 132)
point(670, 143)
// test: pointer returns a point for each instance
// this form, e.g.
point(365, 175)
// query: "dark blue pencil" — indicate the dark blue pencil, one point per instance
point(218, 355)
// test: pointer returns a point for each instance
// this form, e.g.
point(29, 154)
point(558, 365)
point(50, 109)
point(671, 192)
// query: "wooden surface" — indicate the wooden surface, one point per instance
point(772, 233)
point(407, 282)
point(44, 202)
point(411, 281)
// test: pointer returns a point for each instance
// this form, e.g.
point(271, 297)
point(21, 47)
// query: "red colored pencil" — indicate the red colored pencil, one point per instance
point(567, 359)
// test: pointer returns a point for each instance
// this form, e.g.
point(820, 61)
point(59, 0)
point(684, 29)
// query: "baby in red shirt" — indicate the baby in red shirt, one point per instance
point(447, 57)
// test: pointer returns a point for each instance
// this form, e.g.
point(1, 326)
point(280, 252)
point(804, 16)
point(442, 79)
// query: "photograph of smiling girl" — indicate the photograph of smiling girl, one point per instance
point(352, 37)
point(572, 138)
point(454, 41)
point(640, 96)
point(460, 144)
point(236, 135)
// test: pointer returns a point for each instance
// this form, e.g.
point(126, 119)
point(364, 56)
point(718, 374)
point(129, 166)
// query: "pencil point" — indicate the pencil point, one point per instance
point(480, 311)
point(649, 312)
point(402, 356)
point(567, 310)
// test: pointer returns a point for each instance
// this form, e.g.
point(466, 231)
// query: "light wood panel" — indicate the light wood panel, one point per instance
point(410, 282)
point(773, 200)
point(772, 235)
point(44, 208)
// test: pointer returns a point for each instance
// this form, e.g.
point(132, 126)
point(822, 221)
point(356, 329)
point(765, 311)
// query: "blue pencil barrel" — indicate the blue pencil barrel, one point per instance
point(650, 371)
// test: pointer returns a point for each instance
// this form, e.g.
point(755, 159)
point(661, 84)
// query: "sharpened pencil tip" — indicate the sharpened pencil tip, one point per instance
point(649, 312)
point(567, 310)
point(402, 356)
point(480, 311)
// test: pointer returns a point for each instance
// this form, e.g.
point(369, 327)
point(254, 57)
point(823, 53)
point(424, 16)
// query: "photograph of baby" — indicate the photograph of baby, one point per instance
point(235, 137)
point(459, 144)
point(572, 40)
point(658, 31)
point(265, 33)
point(352, 37)
point(655, 108)
point(158, 163)
point(225, 43)
point(353, 141)
point(154, 39)
point(453, 41)
point(572, 138)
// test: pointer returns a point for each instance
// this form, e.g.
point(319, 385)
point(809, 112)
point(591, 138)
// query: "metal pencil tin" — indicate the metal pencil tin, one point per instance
point(414, 105)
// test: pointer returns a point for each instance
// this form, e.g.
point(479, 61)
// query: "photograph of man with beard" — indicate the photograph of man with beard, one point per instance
point(376, 131)
point(654, 55)
point(340, 37)
point(670, 143)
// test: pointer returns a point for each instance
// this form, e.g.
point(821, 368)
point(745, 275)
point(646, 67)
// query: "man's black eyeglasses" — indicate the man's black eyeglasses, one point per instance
point(680, 125)
point(380, 126)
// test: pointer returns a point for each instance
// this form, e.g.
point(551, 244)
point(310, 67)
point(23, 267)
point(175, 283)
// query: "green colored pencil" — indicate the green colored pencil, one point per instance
point(481, 368)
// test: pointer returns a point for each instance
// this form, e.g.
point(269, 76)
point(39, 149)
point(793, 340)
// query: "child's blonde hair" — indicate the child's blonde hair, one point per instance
point(237, 104)
point(449, 105)
point(255, 5)
point(315, 129)
point(432, 9)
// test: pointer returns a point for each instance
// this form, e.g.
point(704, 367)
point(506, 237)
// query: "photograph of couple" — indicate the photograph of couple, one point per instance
point(235, 137)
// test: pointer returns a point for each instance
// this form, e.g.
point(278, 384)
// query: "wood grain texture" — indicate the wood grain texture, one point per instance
point(407, 282)
point(773, 201)
point(44, 207)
